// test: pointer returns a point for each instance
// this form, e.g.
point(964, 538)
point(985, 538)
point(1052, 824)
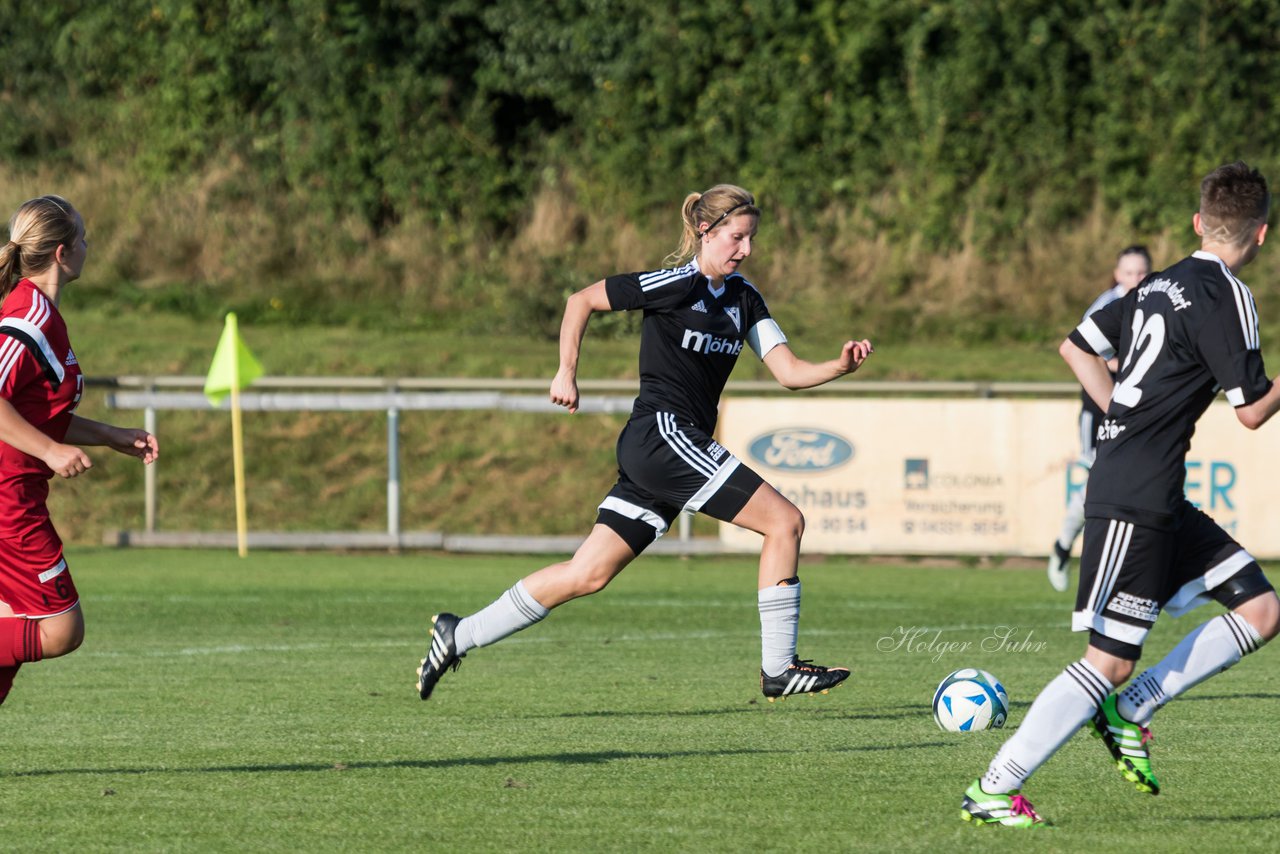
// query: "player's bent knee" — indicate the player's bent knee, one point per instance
point(1263, 613)
point(789, 523)
point(1114, 659)
point(69, 646)
point(591, 578)
point(61, 637)
point(593, 583)
point(1118, 672)
point(1251, 595)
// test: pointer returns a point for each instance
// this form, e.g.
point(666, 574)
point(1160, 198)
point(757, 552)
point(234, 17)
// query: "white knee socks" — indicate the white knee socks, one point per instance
point(1062, 707)
point(779, 627)
point(1210, 648)
point(508, 614)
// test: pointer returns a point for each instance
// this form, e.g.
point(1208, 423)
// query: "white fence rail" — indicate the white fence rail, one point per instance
point(393, 396)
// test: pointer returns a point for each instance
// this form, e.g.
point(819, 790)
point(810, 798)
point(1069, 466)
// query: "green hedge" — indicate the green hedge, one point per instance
point(953, 122)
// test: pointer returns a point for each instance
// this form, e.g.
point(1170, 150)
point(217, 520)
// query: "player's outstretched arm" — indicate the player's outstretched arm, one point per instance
point(578, 310)
point(1090, 370)
point(793, 373)
point(125, 440)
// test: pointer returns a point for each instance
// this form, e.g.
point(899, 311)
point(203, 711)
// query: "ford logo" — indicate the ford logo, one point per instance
point(801, 449)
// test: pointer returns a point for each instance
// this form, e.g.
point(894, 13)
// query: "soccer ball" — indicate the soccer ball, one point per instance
point(969, 700)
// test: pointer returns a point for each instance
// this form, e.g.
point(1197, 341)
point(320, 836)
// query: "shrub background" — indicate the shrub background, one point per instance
point(927, 168)
point(412, 188)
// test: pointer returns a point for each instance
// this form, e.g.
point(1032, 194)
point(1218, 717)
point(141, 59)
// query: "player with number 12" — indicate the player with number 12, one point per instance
point(1182, 336)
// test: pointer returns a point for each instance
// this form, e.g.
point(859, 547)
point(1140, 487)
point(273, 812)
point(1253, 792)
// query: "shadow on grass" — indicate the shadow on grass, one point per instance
point(754, 708)
point(1218, 698)
point(656, 713)
point(1267, 816)
point(593, 758)
point(914, 712)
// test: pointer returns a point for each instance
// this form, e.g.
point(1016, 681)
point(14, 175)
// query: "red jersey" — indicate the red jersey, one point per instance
point(40, 377)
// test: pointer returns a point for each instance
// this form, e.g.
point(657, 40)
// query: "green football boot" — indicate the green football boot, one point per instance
point(1011, 810)
point(1127, 742)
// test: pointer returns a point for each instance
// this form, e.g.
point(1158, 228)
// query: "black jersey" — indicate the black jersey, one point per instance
point(1182, 335)
point(691, 337)
point(1088, 408)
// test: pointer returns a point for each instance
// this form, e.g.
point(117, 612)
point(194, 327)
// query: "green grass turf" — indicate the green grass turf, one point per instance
point(267, 704)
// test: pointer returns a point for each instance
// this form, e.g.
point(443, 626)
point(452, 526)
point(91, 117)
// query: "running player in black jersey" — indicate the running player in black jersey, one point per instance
point(698, 316)
point(1132, 266)
point(1182, 336)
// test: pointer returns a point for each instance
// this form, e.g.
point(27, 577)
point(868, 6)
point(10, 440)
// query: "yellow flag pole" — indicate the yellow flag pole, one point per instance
point(237, 452)
point(232, 368)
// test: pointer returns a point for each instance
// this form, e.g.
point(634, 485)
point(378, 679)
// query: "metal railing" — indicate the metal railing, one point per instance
point(858, 388)
point(395, 395)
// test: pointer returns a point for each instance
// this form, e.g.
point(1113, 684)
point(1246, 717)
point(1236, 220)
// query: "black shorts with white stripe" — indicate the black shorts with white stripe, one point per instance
point(664, 467)
point(1130, 573)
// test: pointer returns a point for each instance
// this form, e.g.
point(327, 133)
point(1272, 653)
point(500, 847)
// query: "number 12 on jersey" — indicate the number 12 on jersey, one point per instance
point(1148, 341)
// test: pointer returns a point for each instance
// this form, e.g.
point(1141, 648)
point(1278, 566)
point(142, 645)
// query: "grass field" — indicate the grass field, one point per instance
point(267, 704)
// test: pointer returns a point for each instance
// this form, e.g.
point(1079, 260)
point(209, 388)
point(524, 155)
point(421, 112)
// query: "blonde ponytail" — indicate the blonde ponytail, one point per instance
point(711, 207)
point(36, 230)
point(10, 262)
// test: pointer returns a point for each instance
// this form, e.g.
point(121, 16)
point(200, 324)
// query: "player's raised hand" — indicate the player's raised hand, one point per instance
point(564, 390)
point(854, 354)
point(67, 460)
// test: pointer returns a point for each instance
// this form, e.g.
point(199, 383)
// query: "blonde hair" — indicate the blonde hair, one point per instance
point(36, 230)
point(711, 207)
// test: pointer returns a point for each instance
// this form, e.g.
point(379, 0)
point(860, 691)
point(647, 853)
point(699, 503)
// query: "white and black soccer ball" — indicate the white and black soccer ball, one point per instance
point(969, 700)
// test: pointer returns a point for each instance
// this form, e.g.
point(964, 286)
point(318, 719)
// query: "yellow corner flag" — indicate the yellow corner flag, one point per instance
point(233, 367)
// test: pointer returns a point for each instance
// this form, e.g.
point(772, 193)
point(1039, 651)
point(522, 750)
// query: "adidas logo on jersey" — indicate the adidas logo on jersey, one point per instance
point(700, 306)
point(71, 358)
point(705, 342)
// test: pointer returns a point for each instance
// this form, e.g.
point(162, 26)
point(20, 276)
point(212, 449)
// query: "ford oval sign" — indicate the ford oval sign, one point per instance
point(801, 449)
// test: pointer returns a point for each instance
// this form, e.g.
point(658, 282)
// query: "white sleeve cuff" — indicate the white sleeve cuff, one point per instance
point(764, 336)
point(1092, 334)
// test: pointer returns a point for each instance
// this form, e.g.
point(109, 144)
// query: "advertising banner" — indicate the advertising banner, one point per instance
point(972, 476)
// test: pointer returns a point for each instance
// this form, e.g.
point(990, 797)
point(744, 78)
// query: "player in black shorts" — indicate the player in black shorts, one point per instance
point(1133, 264)
point(1182, 336)
point(698, 316)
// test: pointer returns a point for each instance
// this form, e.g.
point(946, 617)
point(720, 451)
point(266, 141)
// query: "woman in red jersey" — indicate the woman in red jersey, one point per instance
point(40, 385)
